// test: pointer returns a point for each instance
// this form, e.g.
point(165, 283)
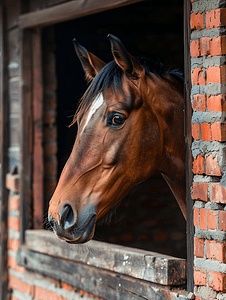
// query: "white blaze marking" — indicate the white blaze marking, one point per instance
point(94, 107)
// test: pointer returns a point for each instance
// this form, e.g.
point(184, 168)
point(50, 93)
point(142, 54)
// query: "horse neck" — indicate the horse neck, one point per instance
point(173, 168)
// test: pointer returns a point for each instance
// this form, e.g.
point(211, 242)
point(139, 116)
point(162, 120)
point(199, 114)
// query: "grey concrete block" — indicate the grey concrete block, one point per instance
point(203, 5)
point(214, 206)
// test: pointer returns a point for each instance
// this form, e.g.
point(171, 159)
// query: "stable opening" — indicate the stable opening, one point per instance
point(149, 218)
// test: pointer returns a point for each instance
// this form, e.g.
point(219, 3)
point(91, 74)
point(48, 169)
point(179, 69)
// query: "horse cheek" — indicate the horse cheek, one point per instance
point(110, 157)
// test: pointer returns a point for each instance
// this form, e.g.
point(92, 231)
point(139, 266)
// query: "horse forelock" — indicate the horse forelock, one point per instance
point(111, 76)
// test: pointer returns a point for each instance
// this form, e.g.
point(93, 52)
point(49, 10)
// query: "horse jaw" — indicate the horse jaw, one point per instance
point(177, 183)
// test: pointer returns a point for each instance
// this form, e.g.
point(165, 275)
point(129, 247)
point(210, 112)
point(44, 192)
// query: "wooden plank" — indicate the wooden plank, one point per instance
point(26, 132)
point(38, 164)
point(146, 265)
point(35, 5)
point(69, 11)
point(14, 129)
point(188, 142)
point(14, 86)
point(102, 283)
point(13, 11)
point(4, 144)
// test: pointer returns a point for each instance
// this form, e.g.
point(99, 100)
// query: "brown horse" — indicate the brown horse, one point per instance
point(130, 124)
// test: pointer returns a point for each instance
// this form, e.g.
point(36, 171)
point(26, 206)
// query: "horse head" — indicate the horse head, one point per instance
point(130, 124)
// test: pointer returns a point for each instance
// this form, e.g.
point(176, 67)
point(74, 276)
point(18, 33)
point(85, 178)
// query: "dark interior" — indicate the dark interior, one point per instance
point(149, 218)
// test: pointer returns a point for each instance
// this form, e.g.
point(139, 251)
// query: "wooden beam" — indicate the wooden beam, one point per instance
point(26, 132)
point(38, 164)
point(4, 144)
point(188, 141)
point(101, 283)
point(69, 11)
point(146, 265)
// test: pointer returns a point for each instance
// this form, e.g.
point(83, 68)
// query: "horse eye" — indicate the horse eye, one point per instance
point(115, 119)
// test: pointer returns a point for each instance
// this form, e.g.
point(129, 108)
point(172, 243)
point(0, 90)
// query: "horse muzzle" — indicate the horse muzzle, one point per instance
point(72, 228)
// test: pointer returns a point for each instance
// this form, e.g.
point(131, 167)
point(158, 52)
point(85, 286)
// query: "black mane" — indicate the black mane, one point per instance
point(111, 75)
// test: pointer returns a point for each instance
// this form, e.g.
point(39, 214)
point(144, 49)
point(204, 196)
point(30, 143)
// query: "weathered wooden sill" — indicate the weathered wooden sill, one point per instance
point(103, 269)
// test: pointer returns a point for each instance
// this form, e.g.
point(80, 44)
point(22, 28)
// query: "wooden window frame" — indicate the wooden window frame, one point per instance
point(31, 90)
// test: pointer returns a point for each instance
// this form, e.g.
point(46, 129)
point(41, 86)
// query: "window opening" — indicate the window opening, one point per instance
point(151, 218)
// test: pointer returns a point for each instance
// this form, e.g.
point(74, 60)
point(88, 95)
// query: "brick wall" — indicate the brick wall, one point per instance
point(208, 49)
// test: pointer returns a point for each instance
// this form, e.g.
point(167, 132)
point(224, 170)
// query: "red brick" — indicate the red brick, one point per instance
point(50, 99)
point(161, 236)
point(49, 295)
point(203, 223)
point(197, 77)
point(211, 166)
point(195, 48)
point(222, 220)
point(14, 223)
point(218, 45)
point(218, 193)
point(218, 130)
point(12, 182)
point(17, 284)
point(50, 148)
point(199, 276)
point(217, 281)
point(38, 293)
point(50, 132)
point(216, 103)
point(129, 236)
point(216, 18)
point(211, 219)
point(199, 103)
point(197, 21)
point(13, 265)
point(216, 74)
point(195, 131)
point(198, 247)
point(177, 235)
point(67, 287)
point(13, 244)
point(50, 117)
point(51, 166)
point(196, 217)
point(205, 46)
point(200, 191)
point(14, 203)
point(206, 132)
point(216, 250)
point(198, 165)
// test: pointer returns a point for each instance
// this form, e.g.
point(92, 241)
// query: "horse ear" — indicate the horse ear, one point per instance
point(125, 61)
point(91, 63)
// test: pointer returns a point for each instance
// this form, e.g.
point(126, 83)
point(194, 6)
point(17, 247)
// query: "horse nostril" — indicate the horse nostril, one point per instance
point(68, 218)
